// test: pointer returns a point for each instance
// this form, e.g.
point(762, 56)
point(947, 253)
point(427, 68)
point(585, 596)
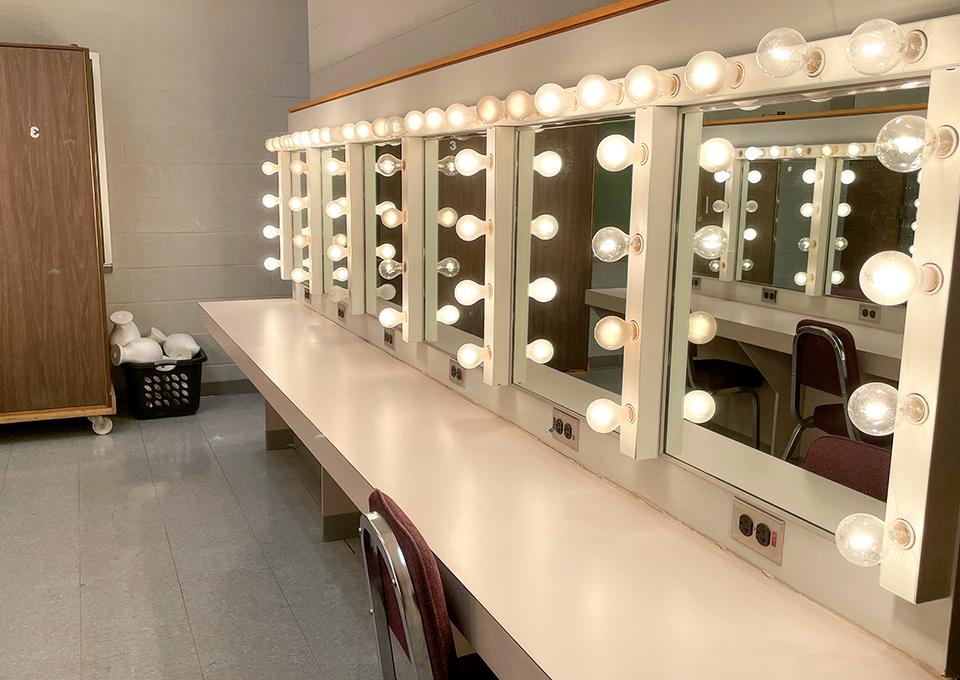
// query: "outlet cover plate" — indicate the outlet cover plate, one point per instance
point(869, 313)
point(457, 374)
point(565, 427)
point(773, 551)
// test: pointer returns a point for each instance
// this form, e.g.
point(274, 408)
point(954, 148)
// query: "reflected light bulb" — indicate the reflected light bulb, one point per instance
point(341, 274)
point(468, 162)
point(388, 165)
point(783, 52)
point(413, 121)
point(471, 356)
point(716, 154)
point(553, 100)
point(334, 167)
point(612, 332)
point(490, 109)
point(298, 203)
point(446, 166)
point(710, 242)
point(746, 264)
point(386, 291)
point(808, 210)
point(269, 168)
point(449, 267)
point(544, 227)
point(610, 244)
point(471, 227)
point(749, 234)
point(339, 239)
point(836, 277)
point(540, 351)
point(390, 269)
point(594, 92)
point(754, 176)
point(542, 289)
point(878, 45)
point(448, 315)
point(270, 231)
point(298, 275)
point(715, 266)
point(905, 143)
point(840, 243)
point(547, 164)
point(615, 153)
point(298, 167)
point(698, 406)
point(701, 328)
point(891, 277)
point(447, 217)
point(719, 206)
point(805, 244)
point(301, 241)
point(708, 73)
point(469, 292)
point(271, 264)
point(519, 105)
point(391, 318)
point(809, 176)
point(722, 176)
point(386, 251)
point(854, 149)
point(848, 177)
point(460, 116)
point(605, 416)
point(802, 278)
point(392, 217)
point(861, 539)
point(643, 85)
point(752, 153)
point(270, 201)
point(337, 252)
point(844, 210)
point(775, 151)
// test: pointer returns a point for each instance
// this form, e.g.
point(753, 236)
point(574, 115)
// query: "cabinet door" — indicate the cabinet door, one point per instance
point(53, 346)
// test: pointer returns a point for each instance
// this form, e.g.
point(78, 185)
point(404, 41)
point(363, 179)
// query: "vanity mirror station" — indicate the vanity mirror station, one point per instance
point(736, 273)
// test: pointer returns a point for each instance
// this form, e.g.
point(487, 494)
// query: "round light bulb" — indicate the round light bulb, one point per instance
point(459, 116)
point(270, 201)
point(269, 168)
point(315, 138)
point(861, 539)
point(298, 275)
point(905, 143)
point(840, 243)
point(336, 208)
point(448, 315)
point(854, 149)
point(710, 242)
point(544, 227)
point(553, 100)
point(540, 351)
point(490, 109)
point(447, 166)
point(395, 126)
point(449, 267)
point(808, 210)
point(610, 244)
point(383, 207)
point(719, 206)
point(301, 241)
point(434, 118)
point(547, 164)
point(643, 85)
point(389, 269)
point(447, 217)
point(337, 252)
point(750, 234)
point(391, 318)
point(722, 176)
point(271, 264)
point(698, 406)
point(709, 72)
point(468, 162)
point(612, 332)
point(469, 292)
point(714, 266)
point(615, 153)
point(298, 203)
point(809, 176)
point(801, 279)
point(326, 135)
point(716, 154)
point(364, 130)
point(806, 244)
point(471, 356)
point(701, 328)
point(379, 126)
point(775, 151)
point(913, 226)
point(341, 274)
point(349, 131)
point(752, 153)
point(387, 291)
point(519, 105)
point(414, 122)
point(386, 251)
point(298, 167)
point(270, 231)
point(876, 46)
point(746, 265)
point(754, 176)
point(783, 52)
point(605, 416)
point(890, 277)
point(594, 92)
point(471, 227)
point(388, 165)
point(392, 217)
point(848, 177)
point(542, 289)
point(844, 210)
point(334, 167)
point(339, 239)
point(836, 277)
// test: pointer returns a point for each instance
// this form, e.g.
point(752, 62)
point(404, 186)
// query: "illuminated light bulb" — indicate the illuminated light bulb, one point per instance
point(447, 217)
point(544, 227)
point(270, 144)
point(912, 249)
point(750, 234)
point(388, 165)
point(701, 328)
point(459, 116)
point(752, 153)
point(919, 175)
point(840, 243)
point(806, 244)
point(826, 150)
point(801, 279)
point(876, 408)
point(891, 277)
point(490, 109)
point(913, 226)
point(334, 167)
point(337, 252)
point(386, 251)
point(326, 136)
point(643, 85)
point(469, 292)
point(605, 416)
point(610, 244)
point(447, 166)
point(722, 176)
point(710, 242)
point(434, 118)
point(301, 241)
point(612, 332)
point(391, 318)
point(414, 122)
point(298, 167)
point(810, 176)
point(383, 206)
point(879, 45)
point(854, 149)
point(270, 201)
point(269, 168)
point(861, 539)
point(775, 151)
point(379, 126)
point(387, 291)
point(751, 206)
point(349, 131)
point(315, 137)
point(716, 154)
point(341, 274)
point(471, 356)
point(905, 143)
point(719, 206)
point(547, 164)
point(339, 239)
point(395, 126)
point(392, 217)
point(594, 92)
point(270, 231)
point(364, 130)
point(746, 265)
point(783, 52)
point(448, 315)
point(542, 289)
point(715, 265)
point(708, 73)
point(844, 209)
point(809, 210)
point(469, 162)
point(449, 267)
point(390, 269)
point(848, 177)
point(698, 406)
point(298, 275)
point(471, 227)
point(540, 351)
point(271, 264)
point(553, 100)
point(836, 277)
point(616, 153)
point(916, 203)
point(519, 105)
point(336, 208)
point(298, 203)
point(754, 176)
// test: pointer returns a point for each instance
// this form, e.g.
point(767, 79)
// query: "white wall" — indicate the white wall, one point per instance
point(191, 89)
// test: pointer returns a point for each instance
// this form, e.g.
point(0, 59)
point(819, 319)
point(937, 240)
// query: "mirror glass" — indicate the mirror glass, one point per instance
point(334, 192)
point(780, 205)
point(452, 198)
point(383, 178)
point(302, 232)
point(564, 198)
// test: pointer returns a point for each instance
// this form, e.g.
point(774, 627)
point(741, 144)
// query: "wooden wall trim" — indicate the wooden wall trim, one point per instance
point(585, 18)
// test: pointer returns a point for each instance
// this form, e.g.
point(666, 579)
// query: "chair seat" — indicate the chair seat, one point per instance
point(831, 418)
point(713, 375)
point(857, 465)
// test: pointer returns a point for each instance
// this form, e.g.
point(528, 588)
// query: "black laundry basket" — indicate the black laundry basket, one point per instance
point(165, 388)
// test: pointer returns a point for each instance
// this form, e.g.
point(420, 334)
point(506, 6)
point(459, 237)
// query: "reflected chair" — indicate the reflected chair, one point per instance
point(720, 376)
point(407, 599)
point(857, 465)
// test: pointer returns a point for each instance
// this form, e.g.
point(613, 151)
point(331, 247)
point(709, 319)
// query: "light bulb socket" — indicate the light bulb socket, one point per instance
point(902, 534)
point(931, 278)
point(634, 332)
point(620, 93)
point(915, 408)
point(636, 244)
point(674, 88)
point(916, 46)
point(631, 412)
point(947, 140)
point(642, 154)
point(815, 62)
point(737, 75)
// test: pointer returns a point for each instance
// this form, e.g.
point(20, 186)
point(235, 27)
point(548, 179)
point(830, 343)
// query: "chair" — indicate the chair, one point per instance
point(407, 598)
point(857, 465)
point(719, 376)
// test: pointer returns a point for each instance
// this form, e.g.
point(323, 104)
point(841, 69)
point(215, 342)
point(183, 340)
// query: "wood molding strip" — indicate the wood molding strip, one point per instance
point(583, 19)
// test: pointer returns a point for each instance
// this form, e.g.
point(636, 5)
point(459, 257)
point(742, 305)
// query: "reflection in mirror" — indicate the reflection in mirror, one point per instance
point(573, 217)
point(302, 235)
point(455, 206)
point(335, 221)
point(774, 360)
point(383, 223)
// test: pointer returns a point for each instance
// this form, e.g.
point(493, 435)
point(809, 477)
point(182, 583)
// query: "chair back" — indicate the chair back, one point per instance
point(857, 465)
point(825, 358)
point(406, 592)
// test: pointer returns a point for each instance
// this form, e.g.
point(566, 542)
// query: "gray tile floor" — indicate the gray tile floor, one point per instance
point(174, 549)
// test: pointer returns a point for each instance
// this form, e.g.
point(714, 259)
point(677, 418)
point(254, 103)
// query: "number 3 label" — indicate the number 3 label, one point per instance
point(34, 132)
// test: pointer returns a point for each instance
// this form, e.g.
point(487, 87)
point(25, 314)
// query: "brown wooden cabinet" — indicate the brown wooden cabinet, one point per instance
point(53, 335)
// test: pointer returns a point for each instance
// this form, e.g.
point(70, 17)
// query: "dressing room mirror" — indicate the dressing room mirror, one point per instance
point(563, 288)
point(780, 206)
point(302, 233)
point(455, 209)
point(336, 254)
point(383, 175)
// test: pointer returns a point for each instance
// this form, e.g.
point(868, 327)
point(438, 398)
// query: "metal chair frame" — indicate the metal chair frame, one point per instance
point(795, 387)
point(377, 538)
point(754, 398)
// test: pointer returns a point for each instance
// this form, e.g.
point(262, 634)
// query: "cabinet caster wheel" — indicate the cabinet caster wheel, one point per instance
point(101, 424)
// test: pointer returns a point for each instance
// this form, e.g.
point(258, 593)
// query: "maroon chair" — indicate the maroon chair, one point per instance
point(857, 465)
point(406, 595)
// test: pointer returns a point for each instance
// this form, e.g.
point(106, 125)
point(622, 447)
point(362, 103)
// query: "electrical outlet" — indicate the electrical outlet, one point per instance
point(565, 427)
point(388, 338)
point(696, 281)
point(342, 311)
point(457, 373)
point(869, 313)
point(769, 295)
point(758, 530)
